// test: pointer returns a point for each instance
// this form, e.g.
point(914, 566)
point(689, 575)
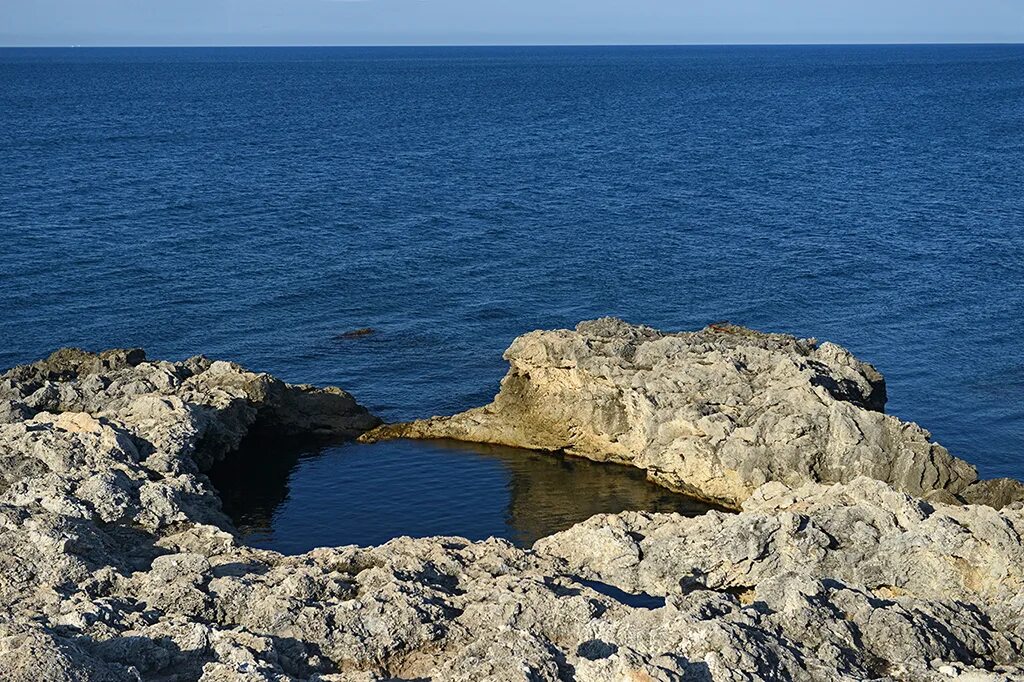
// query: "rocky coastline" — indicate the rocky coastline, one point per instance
point(858, 550)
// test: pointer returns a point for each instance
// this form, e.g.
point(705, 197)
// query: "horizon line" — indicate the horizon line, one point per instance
point(438, 45)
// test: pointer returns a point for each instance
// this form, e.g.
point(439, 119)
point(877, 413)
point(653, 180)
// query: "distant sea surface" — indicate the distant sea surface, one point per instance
point(256, 204)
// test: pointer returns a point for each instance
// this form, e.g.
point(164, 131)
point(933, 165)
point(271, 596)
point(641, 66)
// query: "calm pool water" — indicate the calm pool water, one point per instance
point(293, 498)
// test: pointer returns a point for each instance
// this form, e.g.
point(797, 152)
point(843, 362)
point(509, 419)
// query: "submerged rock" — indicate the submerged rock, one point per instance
point(714, 413)
point(117, 564)
point(355, 334)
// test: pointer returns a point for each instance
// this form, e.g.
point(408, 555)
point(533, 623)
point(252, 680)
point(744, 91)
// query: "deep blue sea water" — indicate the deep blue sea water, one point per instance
point(254, 203)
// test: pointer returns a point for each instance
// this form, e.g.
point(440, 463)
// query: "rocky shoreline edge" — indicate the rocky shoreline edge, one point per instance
point(859, 550)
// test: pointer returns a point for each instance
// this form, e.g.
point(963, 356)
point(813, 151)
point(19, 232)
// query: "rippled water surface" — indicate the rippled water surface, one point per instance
point(254, 204)
point(293, 497)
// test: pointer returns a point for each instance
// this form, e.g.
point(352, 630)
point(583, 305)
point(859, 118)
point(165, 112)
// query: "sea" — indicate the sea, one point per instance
point(257, 204)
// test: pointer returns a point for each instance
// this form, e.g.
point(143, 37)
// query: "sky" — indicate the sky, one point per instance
point(481, 22)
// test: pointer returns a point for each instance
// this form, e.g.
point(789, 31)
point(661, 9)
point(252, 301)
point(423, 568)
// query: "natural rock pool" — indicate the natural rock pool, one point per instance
point(292, 497)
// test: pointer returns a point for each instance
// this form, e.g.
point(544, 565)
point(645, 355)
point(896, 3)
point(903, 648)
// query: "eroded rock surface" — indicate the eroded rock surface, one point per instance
point(117, 564)
point(714, 413)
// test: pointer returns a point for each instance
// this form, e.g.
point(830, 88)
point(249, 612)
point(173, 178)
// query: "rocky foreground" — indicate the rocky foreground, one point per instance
point(853, 555)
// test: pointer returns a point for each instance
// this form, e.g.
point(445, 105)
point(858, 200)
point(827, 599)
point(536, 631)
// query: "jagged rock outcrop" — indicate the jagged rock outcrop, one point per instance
point(994, 492)
point(117, 564)
point(714, 413)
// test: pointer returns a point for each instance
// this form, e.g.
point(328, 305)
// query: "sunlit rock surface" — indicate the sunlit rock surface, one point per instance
point(116, 563)
point(714, 413)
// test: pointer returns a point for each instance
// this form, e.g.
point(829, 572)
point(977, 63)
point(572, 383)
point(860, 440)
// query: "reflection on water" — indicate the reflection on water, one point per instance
point(293, 496)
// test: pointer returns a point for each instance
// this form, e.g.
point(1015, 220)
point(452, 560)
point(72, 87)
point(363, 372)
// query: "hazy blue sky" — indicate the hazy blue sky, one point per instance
point(341, 22)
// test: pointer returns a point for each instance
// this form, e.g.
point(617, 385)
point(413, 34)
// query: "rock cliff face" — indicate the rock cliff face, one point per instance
point(117, 564)
point(715, 413)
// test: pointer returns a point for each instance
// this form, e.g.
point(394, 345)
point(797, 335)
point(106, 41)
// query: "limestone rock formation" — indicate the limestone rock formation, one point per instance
point(714, 413)
point(117, 564)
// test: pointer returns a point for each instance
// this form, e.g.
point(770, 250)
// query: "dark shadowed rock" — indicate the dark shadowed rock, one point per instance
point(996, 492)
point(74, 363)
